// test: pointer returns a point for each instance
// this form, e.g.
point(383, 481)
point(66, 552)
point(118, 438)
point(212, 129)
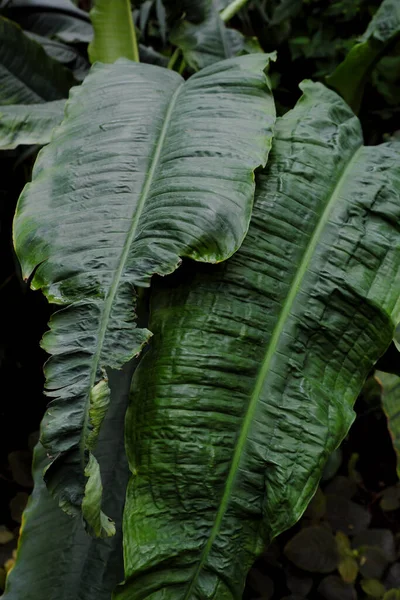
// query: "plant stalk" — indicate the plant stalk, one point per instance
point(231, 10)
point(135, 46)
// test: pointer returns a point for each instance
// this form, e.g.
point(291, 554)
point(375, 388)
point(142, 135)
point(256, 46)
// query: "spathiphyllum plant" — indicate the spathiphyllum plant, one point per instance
point(224, 282)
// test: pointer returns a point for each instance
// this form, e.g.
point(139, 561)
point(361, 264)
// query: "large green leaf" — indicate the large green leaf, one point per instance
point(146, 168)
point(350, 77)
point(58, 19)
point(209, 41)
point(29, 123)
point(56, 558)
point(391, 406)
point(114, 32)
point(255, 364)
point(27, 74)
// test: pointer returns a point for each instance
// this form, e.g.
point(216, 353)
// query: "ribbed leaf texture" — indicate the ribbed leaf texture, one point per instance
point(255, 364)
point(29, 123)
point(56, 559)
point(27, 74)
point(145, 169)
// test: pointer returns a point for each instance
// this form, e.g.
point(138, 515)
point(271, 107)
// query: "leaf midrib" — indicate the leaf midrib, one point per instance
point(264, 370)
point(124, 256)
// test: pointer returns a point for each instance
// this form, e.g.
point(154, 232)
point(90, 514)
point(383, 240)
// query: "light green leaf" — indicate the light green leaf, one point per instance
point(114, 32)
point(350, 77)
point(56, 558)
point(27, 74)
point(255, 364)
point(29, 123)
point(391, 406)
point(145, 169)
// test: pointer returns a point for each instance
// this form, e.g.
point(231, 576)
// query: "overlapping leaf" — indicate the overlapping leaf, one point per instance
point(29, 123)
point(56, 558)
point(255, 364)
point(27, 74)
point(350, 77)
point(210, 40)
point(145, 169)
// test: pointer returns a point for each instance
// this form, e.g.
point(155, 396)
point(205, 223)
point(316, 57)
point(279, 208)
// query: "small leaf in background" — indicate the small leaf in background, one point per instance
point(332, 465)
point(20, 464)
point(392, 579)
point(297, 582)
point(392, 595)
point(373, 587)
point(341, 486)
point(390, 403)
point(372, 563)
point(351, 467)
point(313, 549)
point(348, 569)
point(317, 507)
point(5, 535)
point(345, 515)
point(261, 584)
point(390, 499)
point(17, 506)
point(382, 539)
point(334, 588)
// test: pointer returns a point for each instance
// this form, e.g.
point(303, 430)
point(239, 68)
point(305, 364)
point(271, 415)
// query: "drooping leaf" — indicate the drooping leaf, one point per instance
point(56, 558)
point(27, 74)
point(255, 364)
point(114, 32)
point(391, 406)
point(57, 19)
point(211, 40)
point(146, 168)
point(29, 123)
point(350, 77)
point(313, 549)
point(67, 55)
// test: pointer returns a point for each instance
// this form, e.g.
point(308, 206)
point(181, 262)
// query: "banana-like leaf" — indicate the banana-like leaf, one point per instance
point(255, 364)
point(351, 75)
point(67, 55)
point(56, 558)
point(57, 19)
point(27, 74)
point(146, 168)
point(114, 32)
point(29, 123)
point(391, 406)
point(193, 10)
point(209, 41)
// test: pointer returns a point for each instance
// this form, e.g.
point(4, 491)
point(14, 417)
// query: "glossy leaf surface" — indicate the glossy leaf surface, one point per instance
point(255, 364)
point(146, 168)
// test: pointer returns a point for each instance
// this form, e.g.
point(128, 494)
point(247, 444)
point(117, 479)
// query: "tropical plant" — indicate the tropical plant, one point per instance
point(243, 371)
